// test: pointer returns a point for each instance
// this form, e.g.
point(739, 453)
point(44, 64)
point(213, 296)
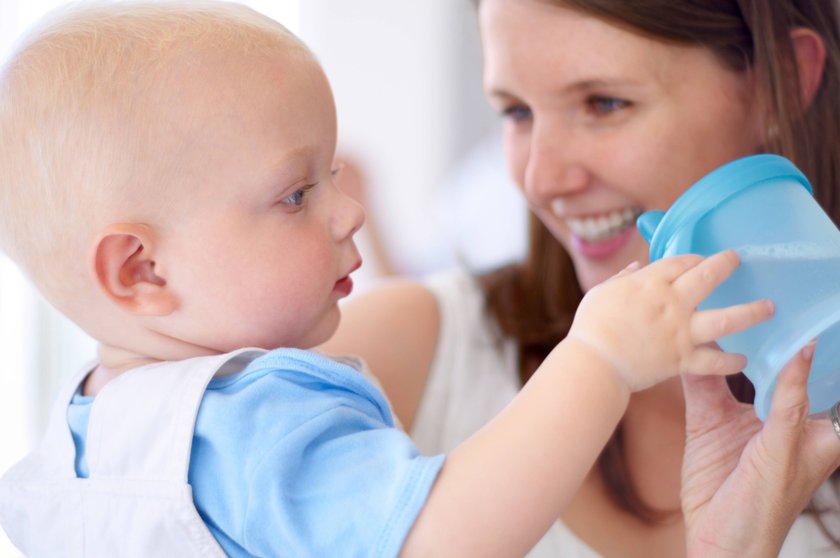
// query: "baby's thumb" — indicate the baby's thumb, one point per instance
point(633, 266)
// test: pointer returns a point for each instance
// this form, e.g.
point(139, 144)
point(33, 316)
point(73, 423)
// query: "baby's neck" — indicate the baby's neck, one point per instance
point(114, 360)
point(97, 380)
point(112, 363)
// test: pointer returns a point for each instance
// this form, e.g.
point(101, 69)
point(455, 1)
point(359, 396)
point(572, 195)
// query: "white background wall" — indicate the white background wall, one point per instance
point(406, 76)
point(407, 80)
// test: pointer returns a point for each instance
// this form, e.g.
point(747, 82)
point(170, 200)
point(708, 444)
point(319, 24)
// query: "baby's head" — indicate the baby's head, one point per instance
point(166, 178)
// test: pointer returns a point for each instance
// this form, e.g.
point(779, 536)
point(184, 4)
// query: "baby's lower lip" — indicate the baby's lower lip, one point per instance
point(344, 286)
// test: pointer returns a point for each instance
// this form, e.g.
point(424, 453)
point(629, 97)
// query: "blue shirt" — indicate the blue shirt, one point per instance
point(298, 455)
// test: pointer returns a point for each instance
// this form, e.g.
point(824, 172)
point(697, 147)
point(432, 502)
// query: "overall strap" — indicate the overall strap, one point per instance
point(141, 423)
point(57, 441)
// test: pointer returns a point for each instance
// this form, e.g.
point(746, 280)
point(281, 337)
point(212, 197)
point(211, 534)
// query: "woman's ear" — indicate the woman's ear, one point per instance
point(809, 50)
point(124, 267)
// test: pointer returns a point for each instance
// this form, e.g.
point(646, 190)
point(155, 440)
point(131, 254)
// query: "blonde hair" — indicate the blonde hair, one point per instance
point(78, 103)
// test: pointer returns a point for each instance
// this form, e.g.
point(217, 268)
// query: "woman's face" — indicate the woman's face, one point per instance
point(601, 124)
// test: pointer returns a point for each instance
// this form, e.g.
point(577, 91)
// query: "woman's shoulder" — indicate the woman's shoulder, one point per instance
point(464, 318)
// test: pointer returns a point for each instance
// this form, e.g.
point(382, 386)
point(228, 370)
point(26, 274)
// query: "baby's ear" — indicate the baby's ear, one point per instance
point(124, 267)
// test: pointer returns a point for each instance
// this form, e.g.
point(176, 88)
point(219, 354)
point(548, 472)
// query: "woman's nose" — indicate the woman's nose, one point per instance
point(554, 167)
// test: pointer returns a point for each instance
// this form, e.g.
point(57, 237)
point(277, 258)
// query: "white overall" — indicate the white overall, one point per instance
point(136, 502)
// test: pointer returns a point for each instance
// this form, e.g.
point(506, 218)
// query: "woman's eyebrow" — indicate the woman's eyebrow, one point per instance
point(601, 83)
point(575, 87)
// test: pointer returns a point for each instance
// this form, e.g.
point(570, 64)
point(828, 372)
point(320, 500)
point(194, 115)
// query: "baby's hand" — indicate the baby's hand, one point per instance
point(646, 324)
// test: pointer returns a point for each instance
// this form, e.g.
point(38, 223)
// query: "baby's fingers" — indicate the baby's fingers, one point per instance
point(705, 361)
point(698, 282)
point(671, 268)
point(710, 325)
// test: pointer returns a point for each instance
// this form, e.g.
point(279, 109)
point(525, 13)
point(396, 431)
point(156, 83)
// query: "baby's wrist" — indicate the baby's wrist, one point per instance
point(609, 364)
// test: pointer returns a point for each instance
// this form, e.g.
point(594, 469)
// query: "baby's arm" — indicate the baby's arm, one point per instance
point(501, 489)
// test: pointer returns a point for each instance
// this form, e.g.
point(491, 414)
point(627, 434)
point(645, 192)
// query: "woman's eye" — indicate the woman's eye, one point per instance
point(517, 113)
point(297, 199)
point(599, 105)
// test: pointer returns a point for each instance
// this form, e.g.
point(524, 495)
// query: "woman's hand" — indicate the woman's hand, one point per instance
point(744, 482)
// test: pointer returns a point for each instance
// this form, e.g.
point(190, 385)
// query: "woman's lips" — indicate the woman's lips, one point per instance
point(598, 228)
point(599, 236)
point(605, 248)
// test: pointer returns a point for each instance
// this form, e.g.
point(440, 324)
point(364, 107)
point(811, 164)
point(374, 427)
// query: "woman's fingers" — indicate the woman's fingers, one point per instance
point(789, 407)
point(789, 434)
point(710, 325)
point(791, 393)
point(788, 421)
point(824, 447)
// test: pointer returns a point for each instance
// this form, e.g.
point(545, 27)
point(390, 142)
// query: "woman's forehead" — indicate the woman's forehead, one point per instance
point(535, 42)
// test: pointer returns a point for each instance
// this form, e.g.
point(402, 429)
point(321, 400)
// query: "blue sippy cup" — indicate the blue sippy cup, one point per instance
point(763, 207)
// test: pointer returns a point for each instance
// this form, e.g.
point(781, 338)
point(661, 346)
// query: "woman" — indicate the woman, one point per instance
point(611, 108)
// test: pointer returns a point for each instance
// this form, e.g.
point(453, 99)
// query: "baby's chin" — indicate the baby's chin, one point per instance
point(316, 336)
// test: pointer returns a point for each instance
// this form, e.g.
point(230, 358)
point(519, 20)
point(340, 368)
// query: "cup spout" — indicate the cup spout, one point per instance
point(647, 223)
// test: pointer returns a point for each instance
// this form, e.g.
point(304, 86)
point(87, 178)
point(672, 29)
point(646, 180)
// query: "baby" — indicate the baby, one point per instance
point(167, 182)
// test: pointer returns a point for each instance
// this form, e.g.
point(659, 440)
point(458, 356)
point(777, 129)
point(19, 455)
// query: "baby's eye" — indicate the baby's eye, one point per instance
point(517, 113)
point(602, 105)
point(297, 199)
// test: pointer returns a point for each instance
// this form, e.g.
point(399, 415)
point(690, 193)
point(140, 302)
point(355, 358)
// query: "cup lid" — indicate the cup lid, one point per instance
point(661, 229)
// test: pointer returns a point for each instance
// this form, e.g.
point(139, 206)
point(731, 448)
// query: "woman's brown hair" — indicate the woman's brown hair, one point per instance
point(534, 301)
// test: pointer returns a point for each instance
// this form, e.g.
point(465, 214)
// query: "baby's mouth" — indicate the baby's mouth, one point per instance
point(598, 228)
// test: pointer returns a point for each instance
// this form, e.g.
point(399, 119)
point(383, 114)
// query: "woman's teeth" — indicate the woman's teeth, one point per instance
point(603, 227)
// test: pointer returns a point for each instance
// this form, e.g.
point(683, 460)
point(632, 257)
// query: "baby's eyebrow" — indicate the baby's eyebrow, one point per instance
point(301, 151)
point(294, 156)
point(294, 161)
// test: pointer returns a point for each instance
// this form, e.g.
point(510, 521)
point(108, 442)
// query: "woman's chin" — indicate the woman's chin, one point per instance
point(591, 273)
point(589, 278)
